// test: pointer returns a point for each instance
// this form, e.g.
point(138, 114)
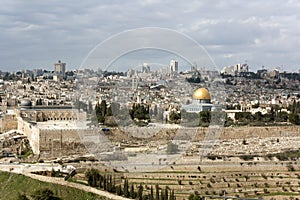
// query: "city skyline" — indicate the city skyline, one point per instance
point(37, 34)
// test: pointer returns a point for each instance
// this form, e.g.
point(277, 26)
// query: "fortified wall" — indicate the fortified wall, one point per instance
point(57, 143)
point(8, 122)
point(52, 143)
point(245, 132)
point(51, 130)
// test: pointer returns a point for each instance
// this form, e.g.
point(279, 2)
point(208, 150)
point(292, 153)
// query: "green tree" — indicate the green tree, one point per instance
point(156, 192)
point(204, 118)
point(119, 190)
point(195, 197)
point(294, 119)
point(172, 148)
point(172, 195)
point(151, 197)
point(258, 116)
point(126, 191)
point(189, 119)
point(166, 193)
point(22, 197)
point(282, 116)
point(140, 192)
point(43, 194)
point(132, 192)
point(90, 110)
point(103, 108)
point(140, 112)
point(93, 177)
point(175, 117)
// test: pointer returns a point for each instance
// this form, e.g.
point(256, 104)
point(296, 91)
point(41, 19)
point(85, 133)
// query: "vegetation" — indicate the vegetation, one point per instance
point(287, 155)
point(28, 188)
point(139, 112)
point(102, 111)
point(172, 148)
point(175, 117)
point(44, 194)
point(109, 183)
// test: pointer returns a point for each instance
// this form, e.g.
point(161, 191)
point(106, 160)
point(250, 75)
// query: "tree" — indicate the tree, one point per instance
point(139, 112)
point(189, 119)
point(162, 195)
point(282, 116)
point(103, 107)
point(258, 116)
point(175, 117)
point(155, 110)
point(93, 177)
point(195, 197)
point(140, 192)
point(22, 197)
point(43, 194)
point(132, 192)
point(294, 119)
point(151, 194)
point(204, 118)
point(172, 195)
point(90, 107)
point(156, 192)
point(119, 190)
point(126, 192)
point(100, 110)
point(172, 148)
point(166, 193)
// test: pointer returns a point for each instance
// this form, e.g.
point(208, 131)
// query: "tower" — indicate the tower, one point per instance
point(173, 66)
point(60, 68)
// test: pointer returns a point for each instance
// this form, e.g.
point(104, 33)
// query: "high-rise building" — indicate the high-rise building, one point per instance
point(60, 68)
point(145, 68)
point(173, 66)
point(235, 69)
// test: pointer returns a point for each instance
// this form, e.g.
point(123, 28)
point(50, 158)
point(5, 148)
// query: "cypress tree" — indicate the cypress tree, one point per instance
point(104, 182)
point(126, 193)
point(119, 190)
point(151, 193)
point(100, 181)
point(140, 192)
point(156, 192)
point(166, 193)
point(132, 192)
point(162, 194)
point(114, 184)
point(110, 183)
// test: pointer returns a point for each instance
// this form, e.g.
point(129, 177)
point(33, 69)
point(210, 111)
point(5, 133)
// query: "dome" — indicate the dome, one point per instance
point(201, 94)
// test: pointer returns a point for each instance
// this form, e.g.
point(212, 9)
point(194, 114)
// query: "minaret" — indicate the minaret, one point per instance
point(138, 99)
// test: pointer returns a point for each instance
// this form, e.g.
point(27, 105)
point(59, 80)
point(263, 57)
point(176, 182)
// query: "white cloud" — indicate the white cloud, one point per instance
point(36, 33)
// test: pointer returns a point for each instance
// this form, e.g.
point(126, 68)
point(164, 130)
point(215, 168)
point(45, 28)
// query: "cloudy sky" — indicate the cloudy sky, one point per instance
point(35, 34)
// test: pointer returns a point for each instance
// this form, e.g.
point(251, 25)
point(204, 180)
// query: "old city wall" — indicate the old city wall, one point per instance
point(249, 132)
point(60, 142)
point(32, 133)
point(262, 132)
point(8, 122)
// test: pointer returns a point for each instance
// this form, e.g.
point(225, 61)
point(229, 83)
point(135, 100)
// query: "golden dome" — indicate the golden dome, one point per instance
point(201, 93)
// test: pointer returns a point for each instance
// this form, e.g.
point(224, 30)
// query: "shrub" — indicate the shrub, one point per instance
point(264, 176)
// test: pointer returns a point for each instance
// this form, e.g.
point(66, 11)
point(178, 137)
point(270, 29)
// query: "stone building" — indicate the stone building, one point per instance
point(53, 131)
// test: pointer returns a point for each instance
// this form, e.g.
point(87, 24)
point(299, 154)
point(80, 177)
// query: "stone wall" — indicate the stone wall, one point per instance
point(8, 122)
point(61, 142)
point(249, 132)
point(32, 133)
